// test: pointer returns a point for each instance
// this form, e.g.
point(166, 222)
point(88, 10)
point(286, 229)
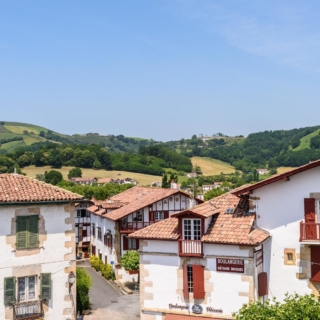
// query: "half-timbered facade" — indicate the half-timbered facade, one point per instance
point(134, 209)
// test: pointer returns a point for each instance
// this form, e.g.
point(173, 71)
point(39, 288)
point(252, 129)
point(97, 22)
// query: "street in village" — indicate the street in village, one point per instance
point(109, 302)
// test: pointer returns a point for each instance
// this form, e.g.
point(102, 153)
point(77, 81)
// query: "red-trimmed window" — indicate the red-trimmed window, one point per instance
point(315, 263)
point(130, 244)
point(193, 281)
point(99, 233)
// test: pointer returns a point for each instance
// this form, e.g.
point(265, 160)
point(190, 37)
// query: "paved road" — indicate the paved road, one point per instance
point(108, 302)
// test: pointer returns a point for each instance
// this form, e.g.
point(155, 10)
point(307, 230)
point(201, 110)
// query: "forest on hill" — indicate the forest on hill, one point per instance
point(270, 149)
point(149, 160)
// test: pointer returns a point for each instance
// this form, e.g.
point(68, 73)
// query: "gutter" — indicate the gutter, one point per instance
point(41, 202)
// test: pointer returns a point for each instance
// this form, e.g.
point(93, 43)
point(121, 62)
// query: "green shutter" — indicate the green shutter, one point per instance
point(9, 290)
point(45, 286)
point(33, 238)
point(21, 233)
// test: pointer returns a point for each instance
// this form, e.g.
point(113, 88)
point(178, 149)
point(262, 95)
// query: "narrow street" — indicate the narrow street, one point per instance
point(108, 302)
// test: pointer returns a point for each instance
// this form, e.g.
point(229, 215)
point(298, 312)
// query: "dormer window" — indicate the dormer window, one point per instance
point(191, 229)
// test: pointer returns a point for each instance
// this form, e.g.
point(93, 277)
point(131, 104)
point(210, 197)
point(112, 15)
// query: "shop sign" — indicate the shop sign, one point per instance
point(259, 257)
point(197, 309)
point(210, 309)
point(178, 306)
point(230, 265)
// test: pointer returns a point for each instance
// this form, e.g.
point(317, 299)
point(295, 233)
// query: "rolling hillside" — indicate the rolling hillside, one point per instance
point(211, 167)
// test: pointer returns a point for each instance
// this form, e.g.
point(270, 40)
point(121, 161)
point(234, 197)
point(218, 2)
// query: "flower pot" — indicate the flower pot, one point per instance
point(133, 271)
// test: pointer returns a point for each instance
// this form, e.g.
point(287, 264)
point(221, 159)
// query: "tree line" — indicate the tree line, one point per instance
point(149, 160)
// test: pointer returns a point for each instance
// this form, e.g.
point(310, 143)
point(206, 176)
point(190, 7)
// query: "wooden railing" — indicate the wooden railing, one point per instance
point(309, 231)
point(28, 310)
point(190, 248)
point(136, 225)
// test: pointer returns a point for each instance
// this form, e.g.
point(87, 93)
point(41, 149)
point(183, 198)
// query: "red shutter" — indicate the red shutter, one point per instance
point(110, 241)
point(198, 281)
point(315, 263)
point(262, 284)
point(93, 250)
point(84, 232)
point(105, 239)
point(166, 214)
point(125, 242)
point(310, 218)
point(151, 216)
point(185, 282)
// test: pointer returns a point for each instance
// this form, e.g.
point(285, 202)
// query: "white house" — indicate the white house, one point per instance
point(207, 187)
point(82, 229)
point(114, 219)
point(262, 171)
point(258, 241)
point(83, 181)
point(37, 249)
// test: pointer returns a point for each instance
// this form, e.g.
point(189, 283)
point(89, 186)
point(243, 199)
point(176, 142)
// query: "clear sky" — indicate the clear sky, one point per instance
point(161, 69)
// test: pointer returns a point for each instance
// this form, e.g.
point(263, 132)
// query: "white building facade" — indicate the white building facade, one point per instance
point(258, 242)
point(37, 249)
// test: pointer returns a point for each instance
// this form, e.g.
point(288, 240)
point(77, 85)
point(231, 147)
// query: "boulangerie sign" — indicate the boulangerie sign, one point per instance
point(230, 265)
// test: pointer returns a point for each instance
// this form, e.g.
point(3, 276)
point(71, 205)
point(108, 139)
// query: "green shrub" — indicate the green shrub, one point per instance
point(131, 260)
point(83, 283)
point(106, 269)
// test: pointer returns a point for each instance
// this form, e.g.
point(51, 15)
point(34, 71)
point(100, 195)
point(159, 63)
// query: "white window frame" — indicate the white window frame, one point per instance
point(26, 289)
point(194, 229)
point(158, 215)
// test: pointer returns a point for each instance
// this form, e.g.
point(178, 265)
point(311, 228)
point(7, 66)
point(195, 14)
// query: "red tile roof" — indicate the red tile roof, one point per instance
point(104, 180)
point(138, 198)
point(286, 175)
point(229, 228)
point(19, 188)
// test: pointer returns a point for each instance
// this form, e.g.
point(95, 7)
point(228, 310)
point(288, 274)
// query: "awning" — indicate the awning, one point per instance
point(187, 317)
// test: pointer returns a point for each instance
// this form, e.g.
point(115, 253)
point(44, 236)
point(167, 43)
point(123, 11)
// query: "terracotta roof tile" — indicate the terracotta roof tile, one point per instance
point(166, 229)
point(229, 228)
point(19, 188)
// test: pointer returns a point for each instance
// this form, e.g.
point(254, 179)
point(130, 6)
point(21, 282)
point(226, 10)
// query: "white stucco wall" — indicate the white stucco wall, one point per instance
point(50, 259)
point(280, 210)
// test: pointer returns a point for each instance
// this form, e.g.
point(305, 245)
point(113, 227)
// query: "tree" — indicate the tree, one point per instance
point(131, 260)
point(75, 173)
point(83, 283)
point(41, 177)
point(42, 134)
point(294, 307)
point(53, 177)
point(97, 164)
point(214, 193)
point(165, 182)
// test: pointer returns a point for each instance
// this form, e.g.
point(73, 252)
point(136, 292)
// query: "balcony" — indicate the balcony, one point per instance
point(309, 231)
point(126, 227)
point(31, 310)
point(190, 248)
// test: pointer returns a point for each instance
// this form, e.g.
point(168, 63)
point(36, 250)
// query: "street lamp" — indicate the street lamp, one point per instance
point(71, 279)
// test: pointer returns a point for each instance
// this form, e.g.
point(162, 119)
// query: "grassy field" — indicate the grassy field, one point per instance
point(284, 169)
point(305, 141)
point(211, 166)
point(19, 128)
point(10, 146)
point(144, 179)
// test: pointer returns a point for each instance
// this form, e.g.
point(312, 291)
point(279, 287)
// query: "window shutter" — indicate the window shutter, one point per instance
point(21, 230)
point(105, 240)
point(166, 214)
point(45, 286)
point(262, 284)
point(9, 290)
point(185, 282)
point(33, 232)
point(198, 281)
point(125, 243)
point(315, 263)
point(110, 241)
point(151, 216)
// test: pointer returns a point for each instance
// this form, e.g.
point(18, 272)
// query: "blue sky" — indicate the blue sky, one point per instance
point(161, 69)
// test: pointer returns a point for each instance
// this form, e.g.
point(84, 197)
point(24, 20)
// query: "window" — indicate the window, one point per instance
point(99, 233)
point(24, 289)
point(139, 216)
point(82, 213)
point(27, 288)
point(27, 232)
point(158, 215)
point(193, 281)
point(93, 230)
point(108, 240)
point(315, 263)
point(191, 229)
point(130, 244)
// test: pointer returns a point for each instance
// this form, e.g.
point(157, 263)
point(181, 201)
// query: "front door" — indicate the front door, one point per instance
point(310, 218)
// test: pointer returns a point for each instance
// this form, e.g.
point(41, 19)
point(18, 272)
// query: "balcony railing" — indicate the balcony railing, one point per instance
point(309, 231)
point(30, 310)
point(133, 226)
point(190, 248)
